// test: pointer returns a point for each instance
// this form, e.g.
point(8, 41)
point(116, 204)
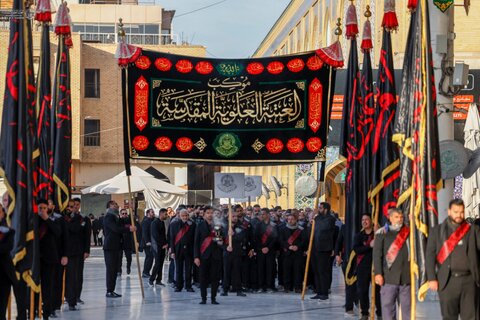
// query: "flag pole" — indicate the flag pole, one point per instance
point(32, 304)
point(9, 307)
point(230, 222)
point(63, 284)
point(135, 240)
point(40, 302)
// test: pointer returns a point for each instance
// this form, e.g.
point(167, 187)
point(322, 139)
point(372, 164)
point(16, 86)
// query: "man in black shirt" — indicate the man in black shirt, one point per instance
point(146, 243)
point(159, 244)
point(114, 230)
point(452, 264)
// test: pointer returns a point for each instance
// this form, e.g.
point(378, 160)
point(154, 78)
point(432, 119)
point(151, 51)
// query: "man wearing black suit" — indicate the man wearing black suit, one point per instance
point(86, 242)
point(159, 244)
point(452, 264)
point(127, 243)
point(323, 250)
point(146, 243)
point(392, 266)
point(112, 245)
point(181, 238)
point(292, 239)
point(208, 256)
point(49, 230)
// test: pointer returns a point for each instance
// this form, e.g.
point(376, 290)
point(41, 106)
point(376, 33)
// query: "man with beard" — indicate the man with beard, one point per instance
point(292, 240)
point(232, 257)
point(452, 264)
point(49, 231)
point(265, 237)
point(159, 244)
point(362, 245)
point(75, 225)
point(323, 250)
point(392, 266)
point(181, 237)
point(114, 230)
point(208, 256)
point(86, 234)
point(147, 242)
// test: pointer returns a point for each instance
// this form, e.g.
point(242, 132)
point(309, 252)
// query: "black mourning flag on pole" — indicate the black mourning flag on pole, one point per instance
point(351, 135)
point(44, 112)
point(18, 148)
point(385, 163)
point(416, 132)
point(62, 148)
point(366, 119)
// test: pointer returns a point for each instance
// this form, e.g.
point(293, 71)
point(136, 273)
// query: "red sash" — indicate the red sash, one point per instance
point(42, 231)
point(181, 233)
point(294, 236)
point(267, 234)
point(367, 244)
point(396, 245)
point(449, 245)
point(206, 243)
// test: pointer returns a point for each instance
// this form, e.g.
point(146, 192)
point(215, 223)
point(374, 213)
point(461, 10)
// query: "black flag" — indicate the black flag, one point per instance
point(19, 152)
point(416, 132)
point(44, 113)
point(62, 137)
point(351, 136)
point(385, 164)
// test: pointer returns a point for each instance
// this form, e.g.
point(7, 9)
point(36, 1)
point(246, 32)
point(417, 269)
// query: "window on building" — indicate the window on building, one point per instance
point(92, 83)
point(92, 133)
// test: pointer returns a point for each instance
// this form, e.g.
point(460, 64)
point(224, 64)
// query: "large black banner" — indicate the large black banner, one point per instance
point(242, 111)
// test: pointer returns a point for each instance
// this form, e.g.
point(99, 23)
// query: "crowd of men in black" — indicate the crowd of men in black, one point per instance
point(267, 254)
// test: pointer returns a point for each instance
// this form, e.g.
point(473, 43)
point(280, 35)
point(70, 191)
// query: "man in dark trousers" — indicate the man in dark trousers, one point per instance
point(293, 242)
point(75, 226)
point(342, 259)
point(265, 238)
point(232, 257)
point(363, 247)
point(147, 242)
point(208, 255)
point(322, 250)
point(452, 264)
point(86, 242)
point(62, 251)
point(127, 243)
point(114, 230)
point(248, 274)
point(49, 231)
point(8, 278)
point(182, 237)
point(159, 244)
point(391, 265)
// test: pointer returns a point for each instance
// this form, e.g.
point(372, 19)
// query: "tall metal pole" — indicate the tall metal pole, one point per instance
point(441, 28)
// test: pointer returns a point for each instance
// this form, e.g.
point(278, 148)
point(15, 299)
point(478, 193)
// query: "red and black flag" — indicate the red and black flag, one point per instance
point(18, 147)
point(62, 113)
point(385, 160)
point(365, 121)
point(44, 105)
point(416, 132)
point(351, 134)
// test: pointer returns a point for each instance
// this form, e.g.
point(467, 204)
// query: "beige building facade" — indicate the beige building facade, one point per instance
point(97, 151)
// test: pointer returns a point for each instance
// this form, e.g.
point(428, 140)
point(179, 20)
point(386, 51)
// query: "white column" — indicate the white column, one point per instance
point(443, 24)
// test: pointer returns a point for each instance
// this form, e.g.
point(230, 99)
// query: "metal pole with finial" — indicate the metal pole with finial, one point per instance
point(121, 40)
point(338, 33)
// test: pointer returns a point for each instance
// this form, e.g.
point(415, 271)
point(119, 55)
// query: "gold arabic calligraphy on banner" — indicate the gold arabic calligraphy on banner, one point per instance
point(230, 101)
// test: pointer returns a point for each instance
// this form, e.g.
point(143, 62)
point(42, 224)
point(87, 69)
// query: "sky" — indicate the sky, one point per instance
point(228, 28)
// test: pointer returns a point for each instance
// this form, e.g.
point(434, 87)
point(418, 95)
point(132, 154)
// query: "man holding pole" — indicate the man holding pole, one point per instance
point(113, 230)
point(452, 264)
point(392, 266)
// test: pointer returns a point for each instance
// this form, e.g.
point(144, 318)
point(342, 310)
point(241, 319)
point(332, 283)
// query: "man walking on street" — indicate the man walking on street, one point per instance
point(159, 244)
point(147, 242)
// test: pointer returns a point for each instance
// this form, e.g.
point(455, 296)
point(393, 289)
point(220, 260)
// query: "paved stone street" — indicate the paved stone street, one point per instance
point(163, 303)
